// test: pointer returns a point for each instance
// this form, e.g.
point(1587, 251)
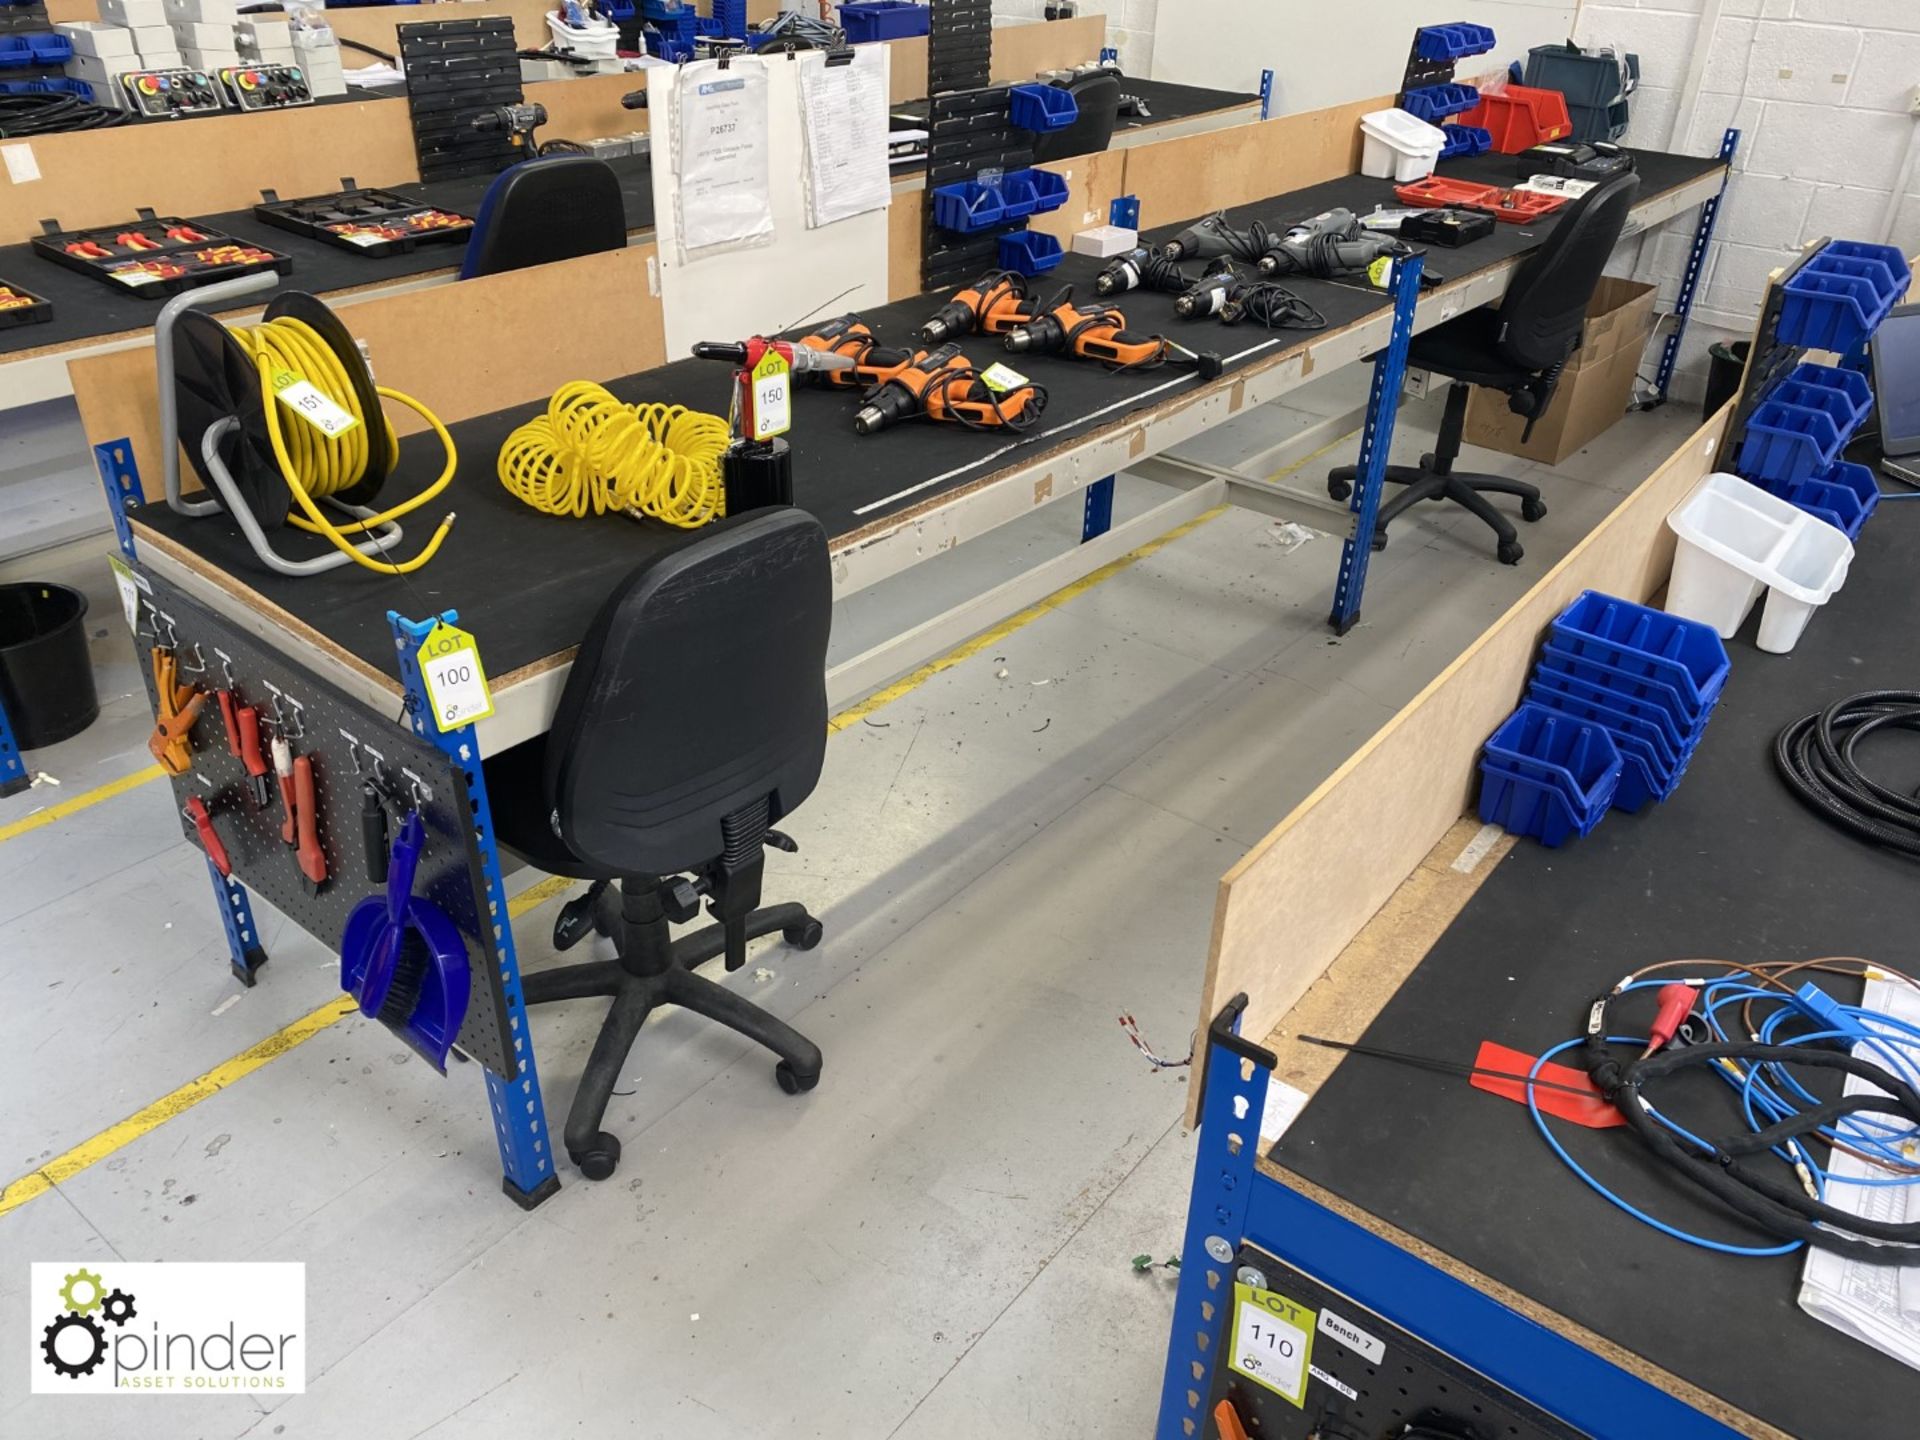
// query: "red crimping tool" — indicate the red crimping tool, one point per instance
point(209, 837)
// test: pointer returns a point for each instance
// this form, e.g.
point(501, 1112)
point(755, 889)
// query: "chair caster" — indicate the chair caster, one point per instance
point(576, 918)
point(1379, 538)
point(1338, 489)
point(599, 1162)
point(805, 935)
point(1427, 462)
point(1531, 510)
point(1510, 552)
point(790, 1080)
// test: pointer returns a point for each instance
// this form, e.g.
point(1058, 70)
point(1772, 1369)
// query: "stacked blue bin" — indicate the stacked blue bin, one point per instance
point(1452, 42)
point(1839, 297)
point(973, 207)
point(1796, 435)
point(728, 21)
point(1548, 775)
point(1647, 679)
point(1441, 45)
point(671, 27)
point(869, 20)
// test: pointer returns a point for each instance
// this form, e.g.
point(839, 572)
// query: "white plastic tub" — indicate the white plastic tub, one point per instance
point(1736, 540)
point(1398, 146)
point(599, 39)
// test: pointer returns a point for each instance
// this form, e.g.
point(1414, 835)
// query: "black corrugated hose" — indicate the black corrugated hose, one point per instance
point(1815, 756)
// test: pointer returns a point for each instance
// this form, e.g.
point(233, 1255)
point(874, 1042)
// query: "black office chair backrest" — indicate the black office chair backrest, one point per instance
point(1546, 304)
point(699, 690)
point(539, 211)
point(1098, 97)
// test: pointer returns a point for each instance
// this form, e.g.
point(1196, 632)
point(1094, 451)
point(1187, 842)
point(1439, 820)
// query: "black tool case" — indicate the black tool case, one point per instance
point(182, 264)
point(368, 222)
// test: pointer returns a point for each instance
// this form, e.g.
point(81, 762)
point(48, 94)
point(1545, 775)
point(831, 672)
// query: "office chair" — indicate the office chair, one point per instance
point(539, 211)
point(694, 718)
point(1519, 347)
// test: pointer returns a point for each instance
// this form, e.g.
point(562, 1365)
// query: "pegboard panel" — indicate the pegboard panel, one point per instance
point(345, 741)
point(1377, 1386)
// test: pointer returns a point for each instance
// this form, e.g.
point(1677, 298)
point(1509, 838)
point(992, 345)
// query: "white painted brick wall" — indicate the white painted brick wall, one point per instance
point(1129, 26)
point(1819, 90)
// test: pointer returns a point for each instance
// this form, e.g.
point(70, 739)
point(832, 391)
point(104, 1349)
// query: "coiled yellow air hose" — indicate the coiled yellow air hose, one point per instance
point(590, 452)
point(316, 464)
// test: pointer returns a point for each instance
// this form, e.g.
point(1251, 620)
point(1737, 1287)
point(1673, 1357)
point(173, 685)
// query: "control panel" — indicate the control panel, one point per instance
point(163, 93)
point(265, 87)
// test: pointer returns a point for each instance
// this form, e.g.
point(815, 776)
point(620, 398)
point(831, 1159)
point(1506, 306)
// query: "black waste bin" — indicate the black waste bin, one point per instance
point(46, 676)
point(1725, 364)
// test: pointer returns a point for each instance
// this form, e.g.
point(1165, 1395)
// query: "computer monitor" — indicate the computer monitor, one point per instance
point(1896, 381)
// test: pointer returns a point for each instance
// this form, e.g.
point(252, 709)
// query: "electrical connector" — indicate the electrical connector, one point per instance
point(1826, 1012)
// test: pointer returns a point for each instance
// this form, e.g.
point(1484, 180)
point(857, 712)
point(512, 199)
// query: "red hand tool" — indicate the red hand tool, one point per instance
point(249, 719)
point(209, 837)
point(313, 860)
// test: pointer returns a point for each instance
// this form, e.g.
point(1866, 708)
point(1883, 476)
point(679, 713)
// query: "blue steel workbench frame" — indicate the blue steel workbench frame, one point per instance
point(1233, 1203)
point(519, 1113)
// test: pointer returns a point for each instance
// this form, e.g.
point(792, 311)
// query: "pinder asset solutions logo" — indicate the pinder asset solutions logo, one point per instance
point(174, 1329)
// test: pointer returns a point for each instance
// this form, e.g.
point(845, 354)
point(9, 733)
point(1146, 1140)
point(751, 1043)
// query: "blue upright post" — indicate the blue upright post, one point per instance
point(1389, 372)
point(1097, 517)
point(1124, 212)
point(1233, 1093)
point(13, 770)
point(1266, 94)
point(120, 478)
point(519, 1115)
point(1690, 281)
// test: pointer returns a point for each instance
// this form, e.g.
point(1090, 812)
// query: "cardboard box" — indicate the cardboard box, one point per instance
point(1595, 388)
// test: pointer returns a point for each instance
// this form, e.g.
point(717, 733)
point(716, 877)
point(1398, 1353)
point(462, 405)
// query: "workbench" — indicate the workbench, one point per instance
point(526, 585)
point(1412, 1200)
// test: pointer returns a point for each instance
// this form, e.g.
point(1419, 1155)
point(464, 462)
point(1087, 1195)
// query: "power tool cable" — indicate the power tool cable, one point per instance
point(1815, 756)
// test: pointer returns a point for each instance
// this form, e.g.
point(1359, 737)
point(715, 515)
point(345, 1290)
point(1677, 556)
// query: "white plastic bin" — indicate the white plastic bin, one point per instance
point(1737, 540)
point(1399, 146)
point(599, 39)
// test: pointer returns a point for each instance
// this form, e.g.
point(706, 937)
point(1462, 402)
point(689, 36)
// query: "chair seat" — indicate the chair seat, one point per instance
point(516, 793)
point(1468, 348)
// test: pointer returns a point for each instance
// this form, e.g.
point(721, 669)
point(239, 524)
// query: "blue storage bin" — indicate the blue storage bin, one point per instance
point(1433, 103)
point(1049, 189)
point(1451, 42)
point(1888, 255)
point(1547, 775)
point(1042, 107)
point(1850, 383)
point(968, 207)
point(1688, 715)
point(1785, 443)
point(1840, 296)
point(1645, 772)
point(1465, 140)
point(1627, 713)
point(870, 20)
point(1838, 404)
point(1645, 642)
point(1030, 252)
point(1844, 495)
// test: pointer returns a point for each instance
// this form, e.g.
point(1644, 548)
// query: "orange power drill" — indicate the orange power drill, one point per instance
point(1101, 334)
point(873, 363)
point(941, 385)
point(992, 305)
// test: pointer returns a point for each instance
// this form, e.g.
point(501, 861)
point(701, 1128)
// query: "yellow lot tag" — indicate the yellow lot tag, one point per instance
point(456, 684)
point(772, 396)
point(300, 396)
point(1272, 1341)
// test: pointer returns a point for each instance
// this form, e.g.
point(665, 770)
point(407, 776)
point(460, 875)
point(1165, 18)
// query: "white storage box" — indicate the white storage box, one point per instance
point(153, 37)
point(159, 60)
point(1105, 241)
point(1736, 540)
point(102, 42)
point(202, 12)
point(134, 12)
point(208, 60)
point(194, 36)
point(597, 40)
point(1398, 146)
point(102, 75)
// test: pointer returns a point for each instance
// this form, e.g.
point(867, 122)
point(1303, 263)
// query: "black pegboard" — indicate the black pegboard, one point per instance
point(1769, 360)
point(1401, 1381)
point(457, 70)
point(317, 721)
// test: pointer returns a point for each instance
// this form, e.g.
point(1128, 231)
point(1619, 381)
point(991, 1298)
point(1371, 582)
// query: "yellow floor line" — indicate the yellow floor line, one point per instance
point(203, 1087)
point(79, 802)
point(986, 639)
point(178, 1102)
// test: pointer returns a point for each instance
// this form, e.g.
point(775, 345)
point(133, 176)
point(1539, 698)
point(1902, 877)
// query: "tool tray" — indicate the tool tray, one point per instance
point(34, 312)
point(1516, 207)
point(370, 222)
point(172, 265)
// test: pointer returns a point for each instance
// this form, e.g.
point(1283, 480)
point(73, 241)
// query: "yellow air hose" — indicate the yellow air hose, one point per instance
point(317, 465)
point(591, 452)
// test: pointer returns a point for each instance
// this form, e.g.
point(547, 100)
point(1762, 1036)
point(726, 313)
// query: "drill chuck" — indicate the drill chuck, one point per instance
point(1020, 340)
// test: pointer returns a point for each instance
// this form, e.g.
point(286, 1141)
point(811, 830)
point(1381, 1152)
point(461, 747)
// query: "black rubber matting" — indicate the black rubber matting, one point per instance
point(1730, 867)
point(528, 584)
point(84, 307)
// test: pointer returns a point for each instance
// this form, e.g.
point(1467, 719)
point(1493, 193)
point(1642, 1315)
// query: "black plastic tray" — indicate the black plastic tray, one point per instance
point(35, 312)
point(181, 254)
point(384, 217)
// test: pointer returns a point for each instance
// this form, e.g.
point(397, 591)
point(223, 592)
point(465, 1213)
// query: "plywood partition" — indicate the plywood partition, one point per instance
point(588, 108)
point(376, 25)
point(1289, 908)
point(200, 167)
point(1020, 52)
point(1193, 174)
point(463, 349)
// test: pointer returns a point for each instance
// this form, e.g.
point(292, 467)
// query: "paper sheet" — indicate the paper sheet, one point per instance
point(725, 193)
point(843, 116)
point(1878, 1305)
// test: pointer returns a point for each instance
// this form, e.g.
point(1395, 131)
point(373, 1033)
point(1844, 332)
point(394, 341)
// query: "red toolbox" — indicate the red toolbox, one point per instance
point(1521, 117)
point(1516, 207)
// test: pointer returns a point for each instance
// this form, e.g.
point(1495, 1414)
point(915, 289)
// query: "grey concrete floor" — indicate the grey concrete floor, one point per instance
point(936, 1242)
